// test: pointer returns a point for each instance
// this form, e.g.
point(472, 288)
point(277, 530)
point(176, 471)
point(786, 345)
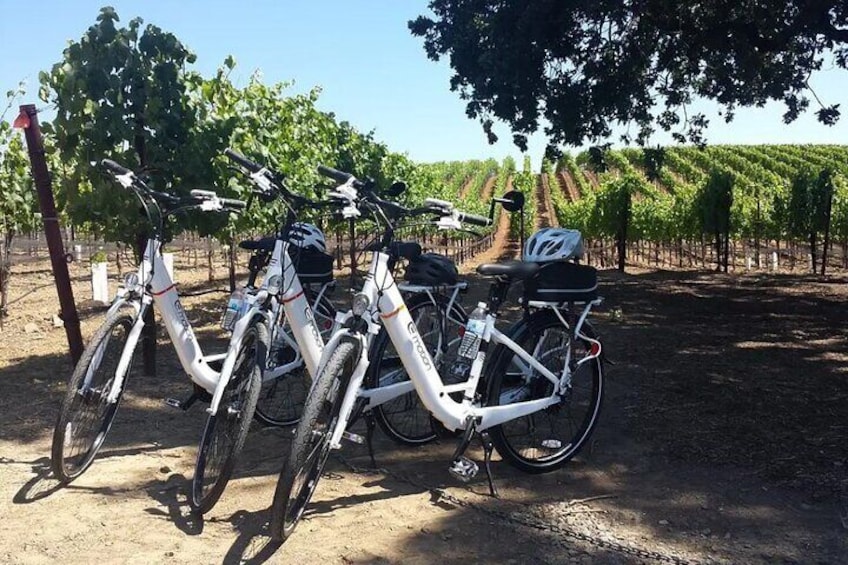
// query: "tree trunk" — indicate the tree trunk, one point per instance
point(210, 274)
point(5, 271)
point(813, 252)
point(827, 214)
point(232, 264)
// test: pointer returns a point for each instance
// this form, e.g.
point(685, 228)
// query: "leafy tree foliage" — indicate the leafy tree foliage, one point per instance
point(612, 213)
point(120, 93)
point(17, 198)
point(810, 201)
point(713, 204)
point(582, 67)
point(653, 159)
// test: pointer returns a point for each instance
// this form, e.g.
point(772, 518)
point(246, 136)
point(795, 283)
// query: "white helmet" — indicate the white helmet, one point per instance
point(553, 244)
point(307, 236)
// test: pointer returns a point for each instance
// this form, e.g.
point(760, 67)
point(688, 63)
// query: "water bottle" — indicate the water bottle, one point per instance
point(470, 344)
point(234, 310)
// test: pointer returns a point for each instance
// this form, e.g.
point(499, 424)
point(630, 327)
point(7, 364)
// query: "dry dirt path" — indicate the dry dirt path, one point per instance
point(568, 186)
point(545, 213)
point(502, 247)
point(710, 448)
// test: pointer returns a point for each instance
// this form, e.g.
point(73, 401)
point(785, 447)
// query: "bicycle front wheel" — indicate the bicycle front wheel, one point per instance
point(281, 399)
point(311, 444)
point(226, 430)
point(545, 440)
point(87, 414)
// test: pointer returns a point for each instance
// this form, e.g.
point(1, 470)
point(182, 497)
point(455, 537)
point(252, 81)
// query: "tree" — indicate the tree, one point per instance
point(121, 93)
point(713, 204)
point(583, 67)
point(653, 160)
point(810, 202)
point(613, 211)
point(17, 198)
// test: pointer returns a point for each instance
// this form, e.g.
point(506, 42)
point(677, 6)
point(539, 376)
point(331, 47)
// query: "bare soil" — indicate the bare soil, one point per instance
point(568, 186)
point(722, 440)
point(545, 214)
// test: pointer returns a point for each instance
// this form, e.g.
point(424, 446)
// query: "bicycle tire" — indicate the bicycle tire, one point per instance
point(66, 467)
point(311, 444)
point(405, 420)
point(281, 400)
point(227, 430)
point(518, 441)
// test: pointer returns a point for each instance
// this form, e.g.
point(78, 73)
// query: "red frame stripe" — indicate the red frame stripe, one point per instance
point(161, 292)
point(299, 294)
point(393, 313)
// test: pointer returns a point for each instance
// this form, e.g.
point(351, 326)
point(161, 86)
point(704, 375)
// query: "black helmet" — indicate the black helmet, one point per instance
point(431, 269)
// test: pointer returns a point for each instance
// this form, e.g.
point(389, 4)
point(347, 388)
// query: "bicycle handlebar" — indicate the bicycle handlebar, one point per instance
point(334, 174)
point(242, 161)
point(114, 167)
point(474, 219)
point(233, 204)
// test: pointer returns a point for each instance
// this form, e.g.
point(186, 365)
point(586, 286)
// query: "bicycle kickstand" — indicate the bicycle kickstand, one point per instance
point(370, 424)
point(488, 448)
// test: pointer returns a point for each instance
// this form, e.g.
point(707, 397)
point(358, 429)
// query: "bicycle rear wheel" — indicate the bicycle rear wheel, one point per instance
point(281, 399)
point(86, 414)
point(226, 430)
point(311, 445)
point(545, 440)
point(405, 419)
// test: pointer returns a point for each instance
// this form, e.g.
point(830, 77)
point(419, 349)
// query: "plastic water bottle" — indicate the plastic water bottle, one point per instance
point(234, 310)
point(473, 332)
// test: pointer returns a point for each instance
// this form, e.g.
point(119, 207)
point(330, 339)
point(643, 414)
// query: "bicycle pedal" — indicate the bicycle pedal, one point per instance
point(463, 469)
point(182, 404)
point(174, 403)
point(355, 438)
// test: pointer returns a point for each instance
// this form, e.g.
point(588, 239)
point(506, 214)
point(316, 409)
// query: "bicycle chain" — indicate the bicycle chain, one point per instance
point(526, 521)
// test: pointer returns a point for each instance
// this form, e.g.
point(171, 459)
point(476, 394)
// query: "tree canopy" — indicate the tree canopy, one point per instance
point(578, 68)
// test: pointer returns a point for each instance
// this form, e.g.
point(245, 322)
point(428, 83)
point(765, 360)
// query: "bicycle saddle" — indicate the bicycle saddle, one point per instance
point(262, 244)
point(517, 270)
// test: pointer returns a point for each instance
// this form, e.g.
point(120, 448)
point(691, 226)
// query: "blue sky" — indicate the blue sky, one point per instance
point(373, 72)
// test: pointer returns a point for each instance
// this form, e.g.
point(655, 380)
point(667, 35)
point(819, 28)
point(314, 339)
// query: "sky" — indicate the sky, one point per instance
point(372, 71)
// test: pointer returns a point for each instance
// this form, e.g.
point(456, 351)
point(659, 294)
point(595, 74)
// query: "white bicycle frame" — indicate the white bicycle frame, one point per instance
point(431, 291)
point(160, 289)
point(281, 277)
point(386, 301)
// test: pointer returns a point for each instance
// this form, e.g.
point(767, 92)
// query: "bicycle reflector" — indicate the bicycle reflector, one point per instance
point(595, 349)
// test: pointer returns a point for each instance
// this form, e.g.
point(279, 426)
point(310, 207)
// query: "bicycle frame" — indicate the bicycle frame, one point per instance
point(386, 301)
point(298, 312)
point(160, 289)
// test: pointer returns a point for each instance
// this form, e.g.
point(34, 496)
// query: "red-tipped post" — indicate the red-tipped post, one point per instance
point(28, 121)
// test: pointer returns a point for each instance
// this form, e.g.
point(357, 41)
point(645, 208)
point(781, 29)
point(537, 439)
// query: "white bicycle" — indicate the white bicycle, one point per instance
point(95, 389)
point(537, 400)
point(286, 257)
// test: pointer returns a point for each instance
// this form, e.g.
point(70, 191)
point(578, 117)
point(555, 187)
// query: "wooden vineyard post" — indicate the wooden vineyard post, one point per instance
point(28, 119)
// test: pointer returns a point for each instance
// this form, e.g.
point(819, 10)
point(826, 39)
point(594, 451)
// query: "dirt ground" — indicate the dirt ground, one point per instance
point(722, 440)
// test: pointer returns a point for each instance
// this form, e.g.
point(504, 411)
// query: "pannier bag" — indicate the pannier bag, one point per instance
point(312, 267)
point(431, 269)
point(560, 281)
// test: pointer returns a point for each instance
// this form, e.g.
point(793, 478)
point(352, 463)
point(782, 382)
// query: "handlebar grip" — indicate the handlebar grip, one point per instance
point(114, 167)
point(334, 174)
point(242, 161)
point(233, 203)
point(197, 193)
point(474, 219)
